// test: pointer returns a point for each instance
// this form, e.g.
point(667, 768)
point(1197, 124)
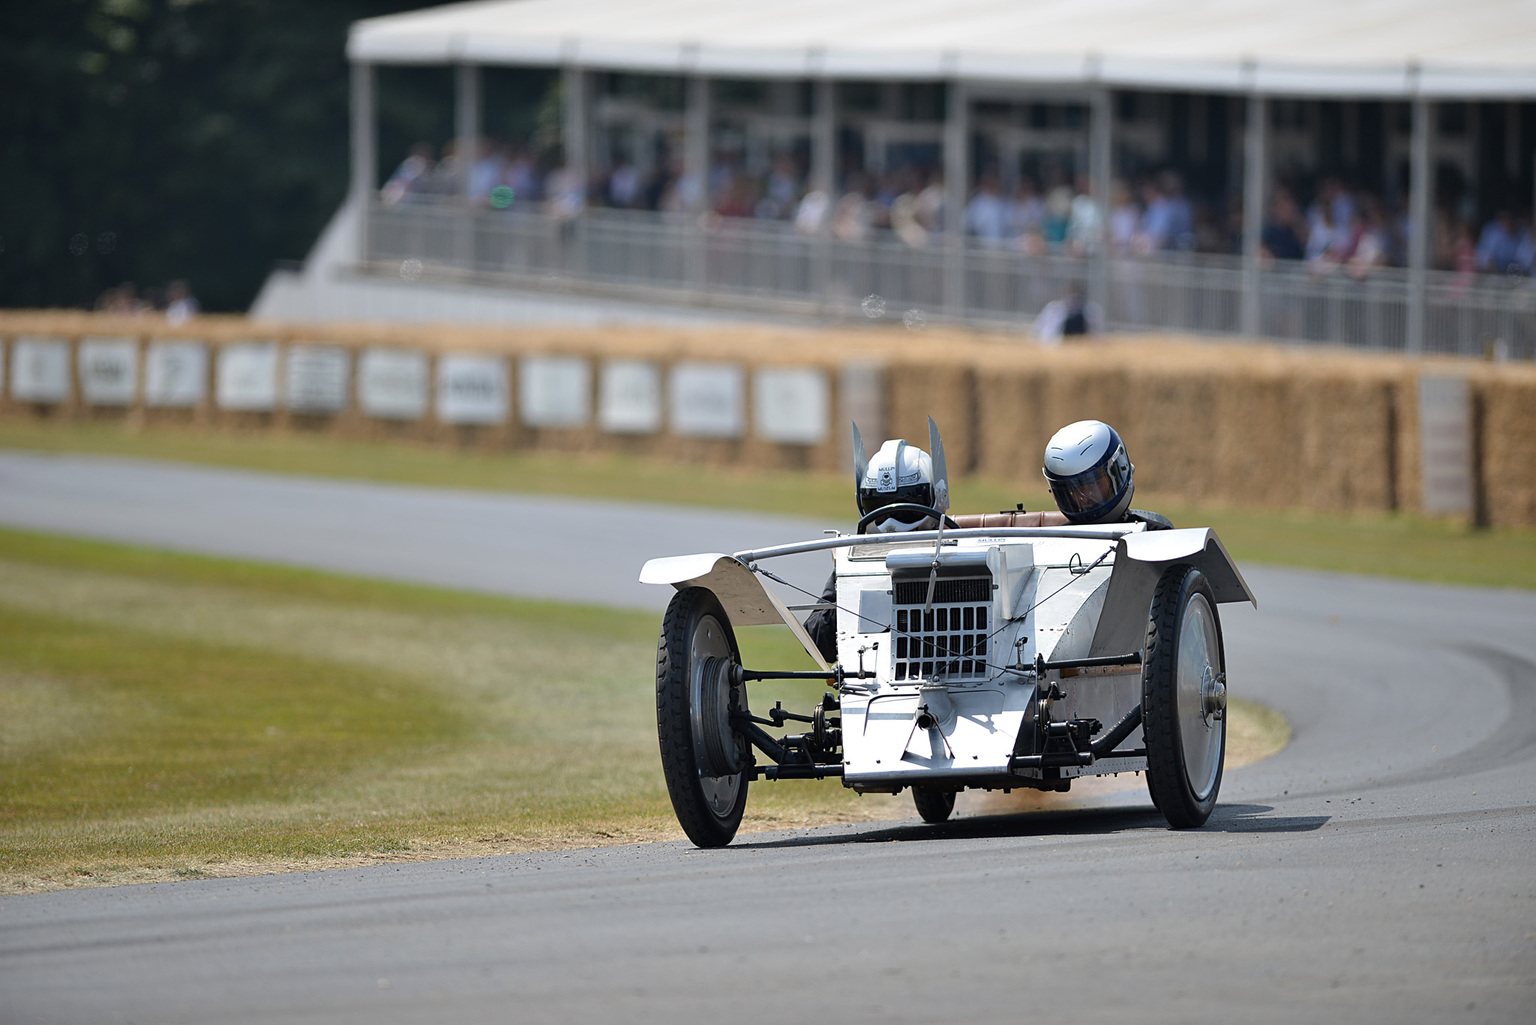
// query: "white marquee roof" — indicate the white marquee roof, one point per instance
point(1380, 48)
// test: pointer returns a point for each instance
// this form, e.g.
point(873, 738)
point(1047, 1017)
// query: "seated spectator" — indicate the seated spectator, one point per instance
point(782, 190)
point(984, 214)
point(1280, 239)
point(180, 305)
point(811, 214)
point(1155, 232)
point(1124, 217)
point(851, 216)
point(1025, 210)
point(1058, 217)
point(409, 176)
point(1085, 227)
point(1325, 240)
point(929, 206)
point(624, 186)
point(1502, 246)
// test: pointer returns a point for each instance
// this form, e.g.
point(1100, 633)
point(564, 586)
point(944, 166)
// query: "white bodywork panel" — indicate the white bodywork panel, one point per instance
point(745, 600)
point(1051, 594)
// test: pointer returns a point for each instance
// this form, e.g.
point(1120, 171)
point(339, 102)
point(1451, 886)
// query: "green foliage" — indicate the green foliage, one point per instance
point(170, 139)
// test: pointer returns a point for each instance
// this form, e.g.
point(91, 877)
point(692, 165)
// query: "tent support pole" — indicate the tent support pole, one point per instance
point(365, 158)
point(957, 178)
point(466, 130)
point(1419, 186)
point(1255, 166)
point(576, 140)
point(1101, 170)
point(696, 150)
point(824, 180)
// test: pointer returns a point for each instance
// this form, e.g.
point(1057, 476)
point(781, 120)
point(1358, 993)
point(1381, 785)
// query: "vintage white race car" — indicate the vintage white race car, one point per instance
point(983, 654)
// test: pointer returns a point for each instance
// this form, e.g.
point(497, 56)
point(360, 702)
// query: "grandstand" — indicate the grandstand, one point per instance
point(921, 162)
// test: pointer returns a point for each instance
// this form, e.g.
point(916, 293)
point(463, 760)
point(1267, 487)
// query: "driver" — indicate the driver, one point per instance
point(898, 475)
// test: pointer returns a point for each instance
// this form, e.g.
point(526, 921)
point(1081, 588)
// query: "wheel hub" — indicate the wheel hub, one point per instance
point(720, 749)
point(1213, 695)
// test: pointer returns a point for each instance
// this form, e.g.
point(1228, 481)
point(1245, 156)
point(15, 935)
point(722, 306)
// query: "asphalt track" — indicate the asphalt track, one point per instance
point(1381, 869)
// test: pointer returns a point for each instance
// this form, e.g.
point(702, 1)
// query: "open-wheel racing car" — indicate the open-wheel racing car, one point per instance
point(992, 652)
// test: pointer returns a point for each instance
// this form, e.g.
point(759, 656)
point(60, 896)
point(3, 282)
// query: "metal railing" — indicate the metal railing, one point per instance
point(768, 266)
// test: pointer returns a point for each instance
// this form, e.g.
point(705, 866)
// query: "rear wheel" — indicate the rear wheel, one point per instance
point(1184, 698)
point(933, 805)
point(698, 684)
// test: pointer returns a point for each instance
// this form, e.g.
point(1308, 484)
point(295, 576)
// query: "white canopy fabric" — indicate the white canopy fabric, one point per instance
point(1319, 48)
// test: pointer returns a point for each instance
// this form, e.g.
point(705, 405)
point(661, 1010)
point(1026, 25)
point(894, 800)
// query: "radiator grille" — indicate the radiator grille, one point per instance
point(949, 640)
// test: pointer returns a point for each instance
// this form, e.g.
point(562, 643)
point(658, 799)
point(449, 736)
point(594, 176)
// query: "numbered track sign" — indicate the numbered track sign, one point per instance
point(40, 370)
point(392, 384)
point(629, 397)
point(175, 374)
point(789, 405)
point(707, 400)
point(109, 371)
point(471, 389)
point(554, 391)
point(315, 378)
point(247, 377)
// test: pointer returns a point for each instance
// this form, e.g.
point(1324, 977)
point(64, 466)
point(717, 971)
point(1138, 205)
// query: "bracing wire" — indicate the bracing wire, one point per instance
point(941, 649)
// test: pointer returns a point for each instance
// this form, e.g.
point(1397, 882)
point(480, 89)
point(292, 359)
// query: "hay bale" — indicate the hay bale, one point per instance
point(944, 391)
point(1010, 427)
point(1508, 450)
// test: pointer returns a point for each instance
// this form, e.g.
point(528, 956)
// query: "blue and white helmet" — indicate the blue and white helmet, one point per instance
point(898, 473)
point(1089, 472)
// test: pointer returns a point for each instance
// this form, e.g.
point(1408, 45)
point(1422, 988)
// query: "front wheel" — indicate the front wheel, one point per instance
point(703, 758)
point(1184, 698)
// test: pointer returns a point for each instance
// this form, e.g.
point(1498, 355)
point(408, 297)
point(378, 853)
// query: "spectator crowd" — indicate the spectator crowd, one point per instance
point(1325, 225)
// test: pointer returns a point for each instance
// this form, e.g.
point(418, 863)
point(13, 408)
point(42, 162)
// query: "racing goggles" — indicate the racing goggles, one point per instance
point(1090, 494)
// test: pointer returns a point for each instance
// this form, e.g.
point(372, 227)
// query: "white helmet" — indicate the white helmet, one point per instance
point(898, 473)
point(1090, 474)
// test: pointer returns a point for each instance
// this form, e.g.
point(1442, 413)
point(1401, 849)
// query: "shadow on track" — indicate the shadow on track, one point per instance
point(1233, 818)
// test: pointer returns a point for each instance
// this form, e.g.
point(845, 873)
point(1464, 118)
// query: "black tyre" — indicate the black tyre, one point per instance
point(1184, 698)
point(702, 757)
point(934, 806)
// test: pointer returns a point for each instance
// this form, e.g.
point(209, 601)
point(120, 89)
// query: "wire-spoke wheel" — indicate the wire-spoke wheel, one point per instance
point(698, 685)
point(1184, 698)
point(933, 805)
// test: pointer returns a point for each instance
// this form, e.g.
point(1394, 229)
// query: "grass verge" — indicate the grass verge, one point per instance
point(1381, 544)
point(169, 716)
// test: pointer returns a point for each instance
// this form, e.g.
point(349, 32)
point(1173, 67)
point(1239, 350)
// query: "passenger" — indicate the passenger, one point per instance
point(1091, 476)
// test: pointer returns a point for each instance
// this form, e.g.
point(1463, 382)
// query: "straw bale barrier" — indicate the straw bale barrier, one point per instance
point(1233, 423)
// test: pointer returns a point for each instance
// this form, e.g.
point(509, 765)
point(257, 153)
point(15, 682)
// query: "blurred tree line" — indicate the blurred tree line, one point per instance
point(150, 140)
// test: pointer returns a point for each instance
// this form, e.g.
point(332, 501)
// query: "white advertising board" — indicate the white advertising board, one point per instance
point(554, 391)
point(315, 378)
point(175, 373)
point(1445, 445)
point(246, 377)
point(471, 389)
point(790, 405)
point(707, 400)
point(629, 397)
point(392, 384)
point(109, 371)
point(40, 370)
